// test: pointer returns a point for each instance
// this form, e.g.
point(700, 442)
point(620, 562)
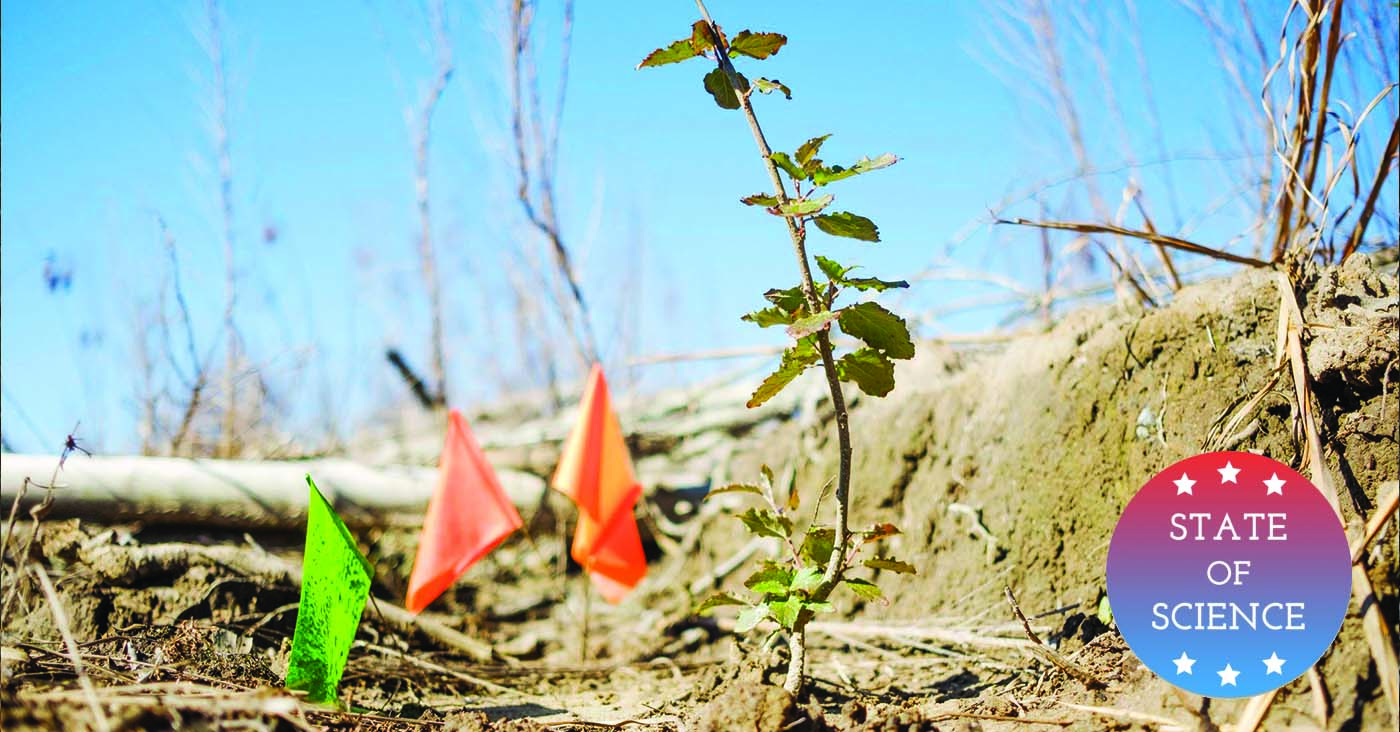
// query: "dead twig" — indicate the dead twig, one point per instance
point(1072, 669)
point(944, 716)
point(1148, 236)
point(60, 619)
point(1376, 524)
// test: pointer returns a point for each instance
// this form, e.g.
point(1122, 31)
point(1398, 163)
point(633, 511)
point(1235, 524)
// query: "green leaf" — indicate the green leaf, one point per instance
point(750, 617)
point(807, 152)
point(702, 37)
point(719, 599)
point(759, 199)
point(806, 579)
point(864, 588)
point(879, 328)
point(849, 225)
point(772, 580)
point(890, 565)
point(766, 523)
point(785, 611)
point(805, 206)
point(818, 545)
point(819, 607)
point(769, 317)
point(782, 160)
point(681, 50)
point(717, 84)
point(837, 273)
point(1105, 611)
point(790, 300)
point(812, 323)
point(756, 45)
point(870, 371)
point(833, 269)
point(795, 360)
point(768, 86)
point(871, 283)
point(833, 173)
point(735, 488)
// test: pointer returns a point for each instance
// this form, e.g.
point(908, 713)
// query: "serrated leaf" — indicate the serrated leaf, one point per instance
point(849, 225)
point(702, 37)
point(871, 283)
point(864, 588)
point(719, 599)
point(812, 323)
point(770, 580)
point(879, 328)
point(756, 45)
point(735, 488)
point(790, 300)
point(869, 370)
point(717, 84)
point(819, 607)
point(783, 161)
point(749, 617)
point(818, 545)
point(768, 86)
point(767, 474)
point(832, 173)
point(837, 273)
point(807, 151)
point(881, 531)
point(833, 270)
point(759, 199)
point(766, 523)
point(769, 317)
point(796, 359)
point(806, 206)
point(785, 611)
point(677, 52)
point(891, 565)
point(806, 580)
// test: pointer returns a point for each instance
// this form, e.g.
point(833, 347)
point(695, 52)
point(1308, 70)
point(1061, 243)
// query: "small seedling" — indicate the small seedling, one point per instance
point(793, 590)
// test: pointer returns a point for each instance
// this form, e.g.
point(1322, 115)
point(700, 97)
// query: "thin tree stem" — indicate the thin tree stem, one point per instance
point(836, 566)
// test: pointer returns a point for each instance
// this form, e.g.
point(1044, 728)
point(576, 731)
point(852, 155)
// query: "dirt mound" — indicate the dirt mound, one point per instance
point(1005, 467)
point(1012, 467)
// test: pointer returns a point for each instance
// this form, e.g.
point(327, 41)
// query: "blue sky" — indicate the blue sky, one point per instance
point(106, 124)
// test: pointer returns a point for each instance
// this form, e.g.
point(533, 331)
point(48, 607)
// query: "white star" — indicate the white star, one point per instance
point(1229, 473)
point(1184, 664)
point(1228, 676)
point(1183, 485)
point(1275, 485)
point(1274, 664)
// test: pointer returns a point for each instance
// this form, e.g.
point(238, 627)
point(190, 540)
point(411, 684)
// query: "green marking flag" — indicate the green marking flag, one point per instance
point(334, 586)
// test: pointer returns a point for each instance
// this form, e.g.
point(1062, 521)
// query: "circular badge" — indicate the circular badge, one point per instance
point(1229, 574)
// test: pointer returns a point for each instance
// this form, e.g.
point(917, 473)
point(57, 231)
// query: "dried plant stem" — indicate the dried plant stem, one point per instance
point(1369, 209)
point(835, 567)
point(60, 619)
point(427, 256)
point(1170, 242)
point(221, 142)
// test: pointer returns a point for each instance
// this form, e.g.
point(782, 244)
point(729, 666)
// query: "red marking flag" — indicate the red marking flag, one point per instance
point(596, 472)
point(468, 516)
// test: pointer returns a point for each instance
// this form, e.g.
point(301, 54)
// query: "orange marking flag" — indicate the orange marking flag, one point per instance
point(468, 516)
point(596, 472)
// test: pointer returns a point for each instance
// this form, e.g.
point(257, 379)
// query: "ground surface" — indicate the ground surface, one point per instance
point(1005, 467)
